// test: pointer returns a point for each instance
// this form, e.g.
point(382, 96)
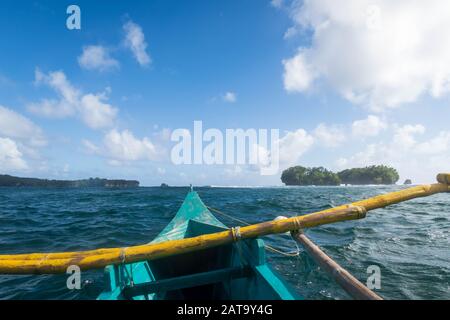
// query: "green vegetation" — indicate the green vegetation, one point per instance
point(10, 181)
point(369, 175)
point(301, 176)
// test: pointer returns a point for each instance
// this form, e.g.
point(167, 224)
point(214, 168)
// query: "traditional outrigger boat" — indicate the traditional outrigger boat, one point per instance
point(232, 271)
point(198, 257)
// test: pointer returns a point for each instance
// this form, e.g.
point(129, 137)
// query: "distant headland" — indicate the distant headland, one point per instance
point(319, 176)
point(11, 181)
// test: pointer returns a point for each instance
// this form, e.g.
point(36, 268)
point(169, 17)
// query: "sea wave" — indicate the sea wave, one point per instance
point(408, 241)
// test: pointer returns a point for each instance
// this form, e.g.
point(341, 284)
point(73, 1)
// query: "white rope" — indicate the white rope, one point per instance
point(122, 254)
point(236, 232)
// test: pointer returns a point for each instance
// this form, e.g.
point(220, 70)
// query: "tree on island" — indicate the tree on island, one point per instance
point(11, 181)
point(301, 176)
point(369, 175)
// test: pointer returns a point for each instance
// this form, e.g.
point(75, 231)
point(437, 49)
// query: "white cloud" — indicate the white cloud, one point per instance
point(51, 108)
point(120, 147)
point(14, 125)
point(261, 154)
point(95, 112)
point(329, 136)
point(414, 158)
point(229, 97)
point(68, 94)
point(20, 139)
point(97, 58)
point(290, 33)
point(10, 156)
point(90, 107)
point(276, 3)
point(435, 146)
point(298, 75)
point(163, 134)
point(124, 146)
point(400, 147)
point(135, 41)
point(377, 53)
point(90, 147)
point(404, 136)
point(369, 127)
point(293, 145)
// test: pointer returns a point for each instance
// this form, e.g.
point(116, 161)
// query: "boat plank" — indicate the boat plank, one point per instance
point(192, 280)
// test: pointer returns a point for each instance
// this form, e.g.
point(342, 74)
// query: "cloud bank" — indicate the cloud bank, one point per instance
point(376, 53)
point(20, 139)
point(91, 108)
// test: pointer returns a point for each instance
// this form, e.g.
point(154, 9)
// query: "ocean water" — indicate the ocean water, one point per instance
point(410, 242)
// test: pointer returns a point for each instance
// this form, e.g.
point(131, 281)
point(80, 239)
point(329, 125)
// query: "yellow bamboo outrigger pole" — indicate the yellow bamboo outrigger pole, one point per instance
point(49, 263)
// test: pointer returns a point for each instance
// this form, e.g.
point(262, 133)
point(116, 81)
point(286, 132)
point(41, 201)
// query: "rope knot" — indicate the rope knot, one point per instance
point(236, 233)
point(122, 255)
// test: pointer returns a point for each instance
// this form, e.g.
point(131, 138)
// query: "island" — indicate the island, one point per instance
point(379, 175)
point(301, 176)
point(11, 181)
point(319, 176)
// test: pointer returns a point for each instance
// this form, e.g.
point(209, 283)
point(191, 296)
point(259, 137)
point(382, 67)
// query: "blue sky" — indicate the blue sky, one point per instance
point(343, 90)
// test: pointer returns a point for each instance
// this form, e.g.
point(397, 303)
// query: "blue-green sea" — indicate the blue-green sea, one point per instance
point(410, 242)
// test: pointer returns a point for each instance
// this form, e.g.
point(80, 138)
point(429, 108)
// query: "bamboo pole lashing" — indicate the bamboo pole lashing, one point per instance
point(443, 178)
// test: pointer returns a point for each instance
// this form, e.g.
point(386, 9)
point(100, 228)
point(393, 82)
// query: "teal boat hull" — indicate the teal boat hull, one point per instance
point(236, 271)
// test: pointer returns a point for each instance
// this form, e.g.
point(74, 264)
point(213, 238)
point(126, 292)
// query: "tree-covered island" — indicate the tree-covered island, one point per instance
point(11, 181)
point(319, 176)
point(369, 175)
point(301, 176)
